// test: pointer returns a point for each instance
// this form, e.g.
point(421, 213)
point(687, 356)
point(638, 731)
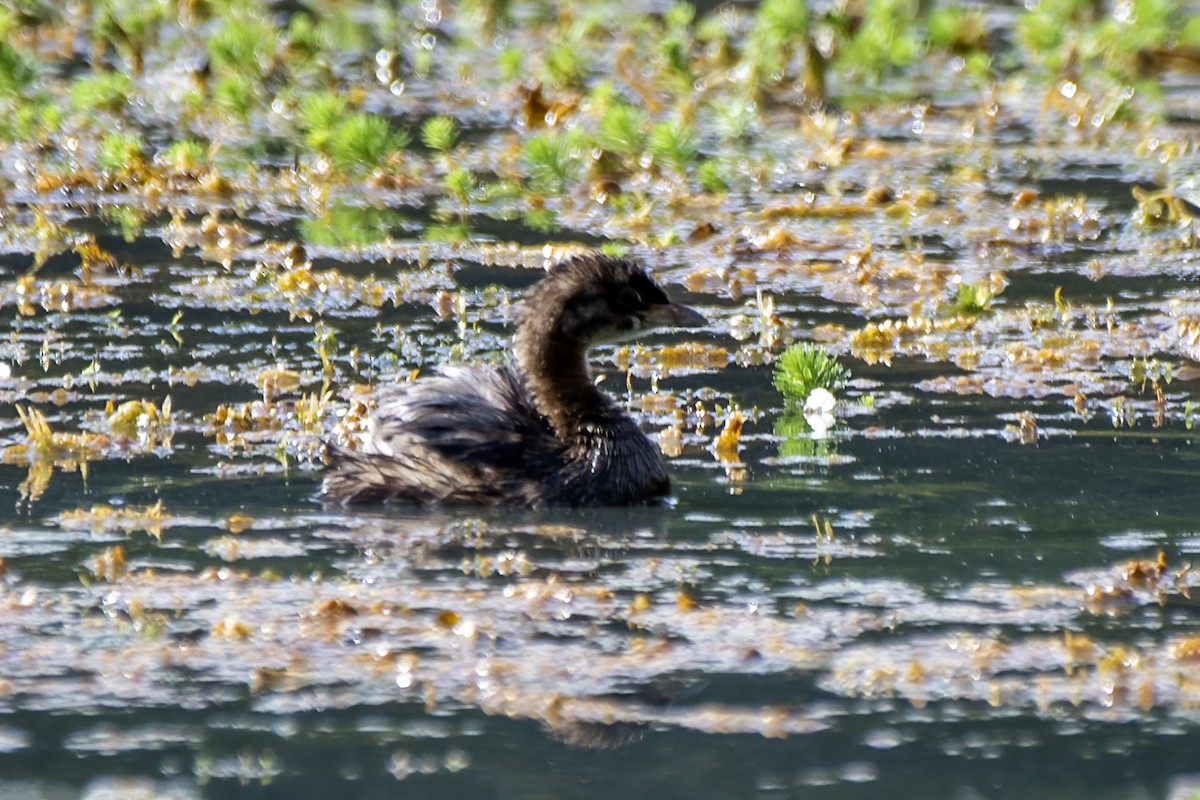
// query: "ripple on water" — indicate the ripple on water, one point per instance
point(13, 740)
point(1133, 541)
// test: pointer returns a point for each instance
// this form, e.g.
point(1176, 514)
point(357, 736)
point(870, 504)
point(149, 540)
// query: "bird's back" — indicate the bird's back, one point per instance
point(473, 435)
point(469, 434)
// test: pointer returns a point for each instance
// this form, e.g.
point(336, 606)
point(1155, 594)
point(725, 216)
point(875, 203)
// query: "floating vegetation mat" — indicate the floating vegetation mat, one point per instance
point(953, 560)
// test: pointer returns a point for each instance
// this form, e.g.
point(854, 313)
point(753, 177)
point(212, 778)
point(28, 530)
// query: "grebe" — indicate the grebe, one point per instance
point(535, 431)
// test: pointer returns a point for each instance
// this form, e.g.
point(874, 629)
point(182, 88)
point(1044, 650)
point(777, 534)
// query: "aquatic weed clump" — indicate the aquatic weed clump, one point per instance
point(120, 154)
point(364, 140)
point(673, 144)
point(17, 70)
point(804, 367)
point(108, 91)
point(320, 113)
point(551, 163)
point(973, 298)
point(439, 133)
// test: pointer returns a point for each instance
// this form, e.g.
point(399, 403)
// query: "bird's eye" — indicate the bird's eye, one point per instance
point(629, 298)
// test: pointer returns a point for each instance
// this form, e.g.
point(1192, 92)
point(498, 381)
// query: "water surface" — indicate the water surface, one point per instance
point(976, 584)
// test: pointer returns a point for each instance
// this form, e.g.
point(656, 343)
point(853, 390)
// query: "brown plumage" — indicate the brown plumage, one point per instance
point(535, 431)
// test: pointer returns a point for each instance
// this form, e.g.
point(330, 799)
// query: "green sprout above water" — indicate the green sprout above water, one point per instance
point(711, 175)
point(510, 63)
point(973, 298)
point(956, 30)
point(673, 144)
point(364, 140)
point(452, 233)
point(622, 130)
point(128, 219)
point(236, 94)
point(780, 26)
point(120, 153)
point(566, 64)
point(104, 90)
point(16, 70)
point(439, 133)
point(615, 249)
point(242, 46)
point(459, 184)
point(320, 113)
point(886, 38)
point(130, 26)
point(185, 157)
point(550, 161)
point(1149, 370)
point(804, 367)
point(33, 121)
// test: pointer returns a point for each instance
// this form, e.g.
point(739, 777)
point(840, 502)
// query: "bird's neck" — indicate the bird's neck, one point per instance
point(562, 385)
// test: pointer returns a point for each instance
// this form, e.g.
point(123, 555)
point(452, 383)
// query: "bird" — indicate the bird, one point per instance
point(533, 431)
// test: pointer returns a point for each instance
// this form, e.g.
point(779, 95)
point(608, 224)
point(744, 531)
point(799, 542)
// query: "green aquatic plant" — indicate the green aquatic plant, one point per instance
point(973, 298)
point(128, 219)
point(675, 55)
point(716, 31)
point(489, 15)
point(459, 183)
point(622, 129)
point(455, 233)
point(1050, 30)
point(1149, 370)
point(804, 367)
point(17, 70)
point(886, 39)
point(510, 63)
point(679, 16)
point(676, 42)
point(566, 64)
point(615, 249)
point(550, 161)
point(1129, 39)
point(339, 31)
point(542, 220)
point(735, 119)
point(439, 133)
point(242, 45)
point(33, 121)
point(1189, 32)
point(103, 90)
point(130, 26)
point(780, 29)
point(711, 174)
point(955, 29)
point(303, 38)
point(320, 113)
point(235, 94)
point(364, 140)
point(500, 191)
point(184, 156)
point(120, 153)
point(674, 144)
point(951, 29)
point(345, 225)
point(781, 20)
